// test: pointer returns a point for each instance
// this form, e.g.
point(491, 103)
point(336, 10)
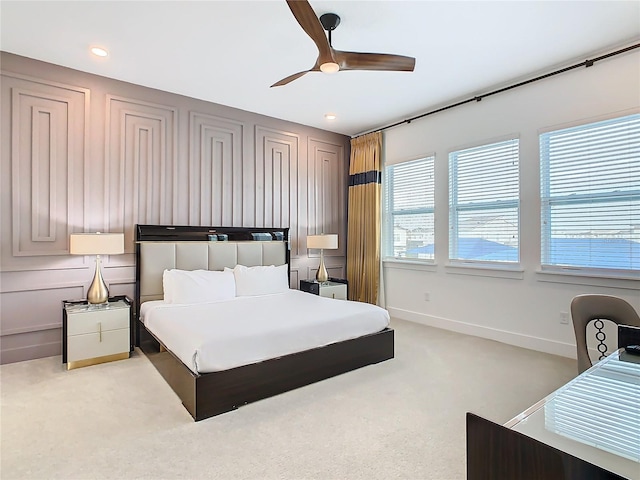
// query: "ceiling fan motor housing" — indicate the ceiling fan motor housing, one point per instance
point(329, 21)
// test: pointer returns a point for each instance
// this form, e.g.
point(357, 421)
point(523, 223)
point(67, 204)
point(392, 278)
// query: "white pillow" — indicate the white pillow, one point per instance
point(167, 286)
point(261, 280)
point(198, 286)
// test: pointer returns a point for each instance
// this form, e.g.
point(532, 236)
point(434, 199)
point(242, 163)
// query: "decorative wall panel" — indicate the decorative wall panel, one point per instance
point(47, 166)
point(48, 309)
point(31, 344)
point(274, 180)
point(326, 192)
point(141, 169)
point(41, 337)
point(215, 170)
point(294, 280)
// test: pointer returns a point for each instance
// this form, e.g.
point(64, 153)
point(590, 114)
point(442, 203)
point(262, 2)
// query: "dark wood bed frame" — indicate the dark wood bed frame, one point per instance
point(208, 394)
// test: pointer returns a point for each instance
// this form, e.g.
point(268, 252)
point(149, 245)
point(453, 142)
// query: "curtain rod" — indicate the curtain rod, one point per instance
point(477, 98)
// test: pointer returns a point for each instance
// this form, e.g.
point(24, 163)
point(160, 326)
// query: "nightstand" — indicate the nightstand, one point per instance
point(93, 334)
point(334, 288)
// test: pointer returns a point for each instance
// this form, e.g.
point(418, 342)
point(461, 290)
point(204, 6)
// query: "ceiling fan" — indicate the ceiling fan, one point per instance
point(331, 60)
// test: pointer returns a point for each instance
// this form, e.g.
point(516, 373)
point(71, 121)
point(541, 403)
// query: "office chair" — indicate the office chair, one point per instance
point(588, 307)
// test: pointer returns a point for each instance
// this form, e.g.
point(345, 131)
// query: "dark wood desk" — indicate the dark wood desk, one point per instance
point(589, 428)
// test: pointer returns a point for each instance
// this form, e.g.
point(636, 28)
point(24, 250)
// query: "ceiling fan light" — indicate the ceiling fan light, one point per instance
point(99, 52)
point(329, 67)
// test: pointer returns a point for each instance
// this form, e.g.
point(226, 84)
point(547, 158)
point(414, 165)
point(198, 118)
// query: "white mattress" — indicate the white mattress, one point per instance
point(217, 336)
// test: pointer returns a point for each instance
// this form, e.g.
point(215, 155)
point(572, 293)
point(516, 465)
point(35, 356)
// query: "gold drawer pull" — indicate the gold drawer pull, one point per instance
point(100, 330)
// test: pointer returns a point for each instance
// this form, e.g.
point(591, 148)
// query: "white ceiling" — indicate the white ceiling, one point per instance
point(230, 52)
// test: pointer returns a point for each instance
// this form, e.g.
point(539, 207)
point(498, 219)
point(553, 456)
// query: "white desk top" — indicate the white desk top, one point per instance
point(595, 417)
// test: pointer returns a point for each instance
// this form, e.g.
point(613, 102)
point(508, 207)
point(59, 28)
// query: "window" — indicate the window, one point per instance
point(590, 193)
point(484, 207)
point(409, 228)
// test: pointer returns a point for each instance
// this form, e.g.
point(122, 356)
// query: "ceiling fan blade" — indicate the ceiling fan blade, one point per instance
point(309, 22)
point(289, 79)
point(374, 61)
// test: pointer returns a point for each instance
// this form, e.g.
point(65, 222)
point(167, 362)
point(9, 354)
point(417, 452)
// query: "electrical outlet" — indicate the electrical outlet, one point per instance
point(564, 318)
point(427, 296)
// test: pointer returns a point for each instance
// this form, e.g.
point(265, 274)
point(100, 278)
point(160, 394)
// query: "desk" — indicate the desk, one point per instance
point(595, 417)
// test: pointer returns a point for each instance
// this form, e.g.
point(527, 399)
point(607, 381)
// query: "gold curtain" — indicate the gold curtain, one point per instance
point(363, 232)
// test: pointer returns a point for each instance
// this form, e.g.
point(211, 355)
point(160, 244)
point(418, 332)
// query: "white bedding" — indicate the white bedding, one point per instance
point(217, 336)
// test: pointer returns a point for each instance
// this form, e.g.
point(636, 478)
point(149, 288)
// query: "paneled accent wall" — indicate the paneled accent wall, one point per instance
point(83, 153)
point(326, 187)
point(140, 173)
point(326, 190)
point(275, 172)
point(46, 163)
point(216, 170)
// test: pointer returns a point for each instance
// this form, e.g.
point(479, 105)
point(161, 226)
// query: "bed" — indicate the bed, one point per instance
point(252, 367)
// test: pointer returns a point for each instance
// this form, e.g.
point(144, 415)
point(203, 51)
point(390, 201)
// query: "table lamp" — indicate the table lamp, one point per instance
point(327, 241)
point(97, 244)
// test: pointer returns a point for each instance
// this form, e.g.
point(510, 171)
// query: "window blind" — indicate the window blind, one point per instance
point(409, 207)
point(590, 195)
point(484, 209)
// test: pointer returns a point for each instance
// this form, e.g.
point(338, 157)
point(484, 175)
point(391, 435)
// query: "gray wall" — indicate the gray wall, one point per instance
point(84, 153)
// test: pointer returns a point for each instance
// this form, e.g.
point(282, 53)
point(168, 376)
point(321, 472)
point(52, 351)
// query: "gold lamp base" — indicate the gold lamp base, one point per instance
point(98, 291)
point(322, 275)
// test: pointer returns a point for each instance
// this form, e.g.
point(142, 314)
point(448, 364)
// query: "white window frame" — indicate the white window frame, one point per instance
point(389, 214)
point(548, 201)
point(467, 266)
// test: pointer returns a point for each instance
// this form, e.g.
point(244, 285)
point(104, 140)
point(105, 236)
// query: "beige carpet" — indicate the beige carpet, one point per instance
point(402, 419)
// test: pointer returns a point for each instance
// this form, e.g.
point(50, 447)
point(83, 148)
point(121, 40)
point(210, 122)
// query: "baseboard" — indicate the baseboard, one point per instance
point(525, 341)
point(31, 352)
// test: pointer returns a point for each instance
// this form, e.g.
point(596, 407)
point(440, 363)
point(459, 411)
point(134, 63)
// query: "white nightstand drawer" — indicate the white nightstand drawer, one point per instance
point(81, 347)
point(92, 321)
point(334, 291)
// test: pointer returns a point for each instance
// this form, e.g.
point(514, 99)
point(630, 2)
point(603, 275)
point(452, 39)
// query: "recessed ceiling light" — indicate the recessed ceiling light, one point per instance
point(330, 116)
point(100, 52)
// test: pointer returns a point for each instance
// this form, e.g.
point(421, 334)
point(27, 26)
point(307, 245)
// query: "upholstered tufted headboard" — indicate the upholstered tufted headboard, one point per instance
point(156, 257)
point(159, 248)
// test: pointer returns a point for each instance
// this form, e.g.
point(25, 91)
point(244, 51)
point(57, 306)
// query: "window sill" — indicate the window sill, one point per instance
point(588, 277)
point(485, 270)
point(424, 265)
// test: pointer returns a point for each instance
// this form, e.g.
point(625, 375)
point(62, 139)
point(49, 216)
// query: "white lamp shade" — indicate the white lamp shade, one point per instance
point(96, 243)
point(327, 241)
